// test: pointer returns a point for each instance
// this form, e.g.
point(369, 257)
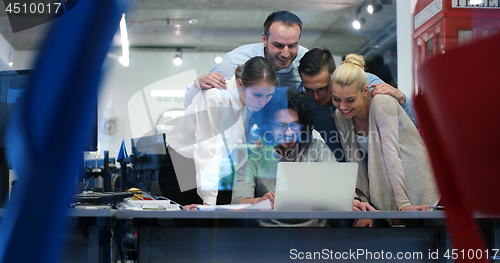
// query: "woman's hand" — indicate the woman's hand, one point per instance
point(415, 208)
point(362, 206)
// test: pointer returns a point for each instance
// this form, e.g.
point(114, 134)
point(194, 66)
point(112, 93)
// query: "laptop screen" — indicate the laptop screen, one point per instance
point(311, 186)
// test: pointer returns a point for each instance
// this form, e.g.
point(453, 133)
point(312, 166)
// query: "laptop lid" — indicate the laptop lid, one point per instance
point(309, 186)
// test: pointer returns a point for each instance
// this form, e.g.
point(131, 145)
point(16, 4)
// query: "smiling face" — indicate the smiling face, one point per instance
point(257, 96)
point(282, 45)
point(286, 118)
point(349, 100)
point(318, 87)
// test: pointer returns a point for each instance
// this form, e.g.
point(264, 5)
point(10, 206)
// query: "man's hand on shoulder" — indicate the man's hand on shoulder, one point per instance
point(210, 80)
point(384, 88)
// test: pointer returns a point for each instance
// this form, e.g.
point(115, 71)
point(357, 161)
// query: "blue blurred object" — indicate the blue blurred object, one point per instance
point(122, 153)
point(46, 133)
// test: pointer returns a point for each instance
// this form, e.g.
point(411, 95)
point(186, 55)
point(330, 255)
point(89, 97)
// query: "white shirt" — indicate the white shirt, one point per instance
point(212, 128)
point(288, 77)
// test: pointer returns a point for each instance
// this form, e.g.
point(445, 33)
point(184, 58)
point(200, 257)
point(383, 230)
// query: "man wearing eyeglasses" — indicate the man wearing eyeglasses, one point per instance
point(315, 69)
point(288, 139)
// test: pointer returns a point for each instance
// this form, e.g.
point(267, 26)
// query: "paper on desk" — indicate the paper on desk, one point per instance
point(262, 205)
point(147, 204)
point(266, 204)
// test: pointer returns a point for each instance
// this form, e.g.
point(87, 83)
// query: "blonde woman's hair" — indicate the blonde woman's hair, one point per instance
point(351, 72)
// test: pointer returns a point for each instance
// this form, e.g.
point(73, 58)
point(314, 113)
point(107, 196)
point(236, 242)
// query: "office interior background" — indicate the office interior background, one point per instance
point(143, 97)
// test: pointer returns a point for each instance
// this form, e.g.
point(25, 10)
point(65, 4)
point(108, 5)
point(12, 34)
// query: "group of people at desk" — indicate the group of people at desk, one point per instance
point(344, 113)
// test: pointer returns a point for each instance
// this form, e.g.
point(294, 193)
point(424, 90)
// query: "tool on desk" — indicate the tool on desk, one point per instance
point(137, 193)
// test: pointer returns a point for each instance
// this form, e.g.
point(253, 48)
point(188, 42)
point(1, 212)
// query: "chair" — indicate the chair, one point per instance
point(459, 110)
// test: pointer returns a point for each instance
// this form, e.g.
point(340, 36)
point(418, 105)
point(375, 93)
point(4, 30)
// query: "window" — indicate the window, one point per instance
point(430, 48)
point(464, 36)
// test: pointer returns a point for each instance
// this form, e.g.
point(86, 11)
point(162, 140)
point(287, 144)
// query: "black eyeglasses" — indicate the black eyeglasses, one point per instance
point(282, 127)
point(321, 91)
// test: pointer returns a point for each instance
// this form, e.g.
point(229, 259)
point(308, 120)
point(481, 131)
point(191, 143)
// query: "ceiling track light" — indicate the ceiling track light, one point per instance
point(218, 59)
point(125, 58)
point(178, 57)
point(358, 21)
point(374, 7)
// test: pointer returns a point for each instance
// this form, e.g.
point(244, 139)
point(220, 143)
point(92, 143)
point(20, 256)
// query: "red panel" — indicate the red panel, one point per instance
point(448, 23)
point(458, 114)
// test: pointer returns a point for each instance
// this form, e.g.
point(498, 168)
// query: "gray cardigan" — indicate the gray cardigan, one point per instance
point(398, 172)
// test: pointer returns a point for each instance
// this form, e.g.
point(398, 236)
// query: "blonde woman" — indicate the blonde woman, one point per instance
point(394, 169)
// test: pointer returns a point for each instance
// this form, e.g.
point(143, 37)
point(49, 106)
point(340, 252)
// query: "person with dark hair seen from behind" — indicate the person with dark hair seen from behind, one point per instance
point(212, 128)
point(394, 169)
point(377, 66)
point(287, 137)
point(315, 69)
point(280, 44)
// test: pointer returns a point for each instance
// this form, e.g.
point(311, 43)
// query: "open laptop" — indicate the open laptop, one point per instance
point(310, 186)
